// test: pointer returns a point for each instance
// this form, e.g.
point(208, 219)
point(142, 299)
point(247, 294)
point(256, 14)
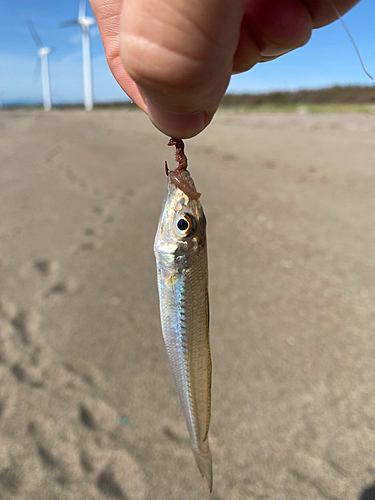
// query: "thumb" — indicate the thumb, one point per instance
point(180, 55)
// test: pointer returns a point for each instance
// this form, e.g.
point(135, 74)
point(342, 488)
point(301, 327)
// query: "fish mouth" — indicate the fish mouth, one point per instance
point(180, 176)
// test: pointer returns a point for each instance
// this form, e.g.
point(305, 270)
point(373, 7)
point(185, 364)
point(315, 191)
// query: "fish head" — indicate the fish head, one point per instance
point(181, 233)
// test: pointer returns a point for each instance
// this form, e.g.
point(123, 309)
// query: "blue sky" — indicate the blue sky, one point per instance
point(328, 59)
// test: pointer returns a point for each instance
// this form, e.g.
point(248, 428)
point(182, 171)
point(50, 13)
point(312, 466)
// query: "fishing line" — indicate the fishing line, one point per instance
point(351, 39)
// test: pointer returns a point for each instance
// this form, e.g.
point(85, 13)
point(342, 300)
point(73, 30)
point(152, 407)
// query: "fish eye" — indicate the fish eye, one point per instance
point(185, 225)
point(182, 224)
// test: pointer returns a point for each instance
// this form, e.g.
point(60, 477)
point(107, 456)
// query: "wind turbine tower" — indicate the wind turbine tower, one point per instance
point(85, 24)
point(42, 66)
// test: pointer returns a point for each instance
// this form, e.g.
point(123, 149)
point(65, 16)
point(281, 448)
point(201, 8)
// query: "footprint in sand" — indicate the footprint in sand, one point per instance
point(173, 436)
point(19, 353)
point(270, 164)
point(129, 193)
point(93, 233)
point(97, 210)
point(86, 417)
point(206, 150)
point(50, 285)
point(68, 440)
point(52, 153)
point(87, 246)
point(10, 481)
point(59, 460)
point(61, 288)
point(18, 372)
point(229, 157)
point(43, 266)
point(78, 374)
point(86, 464)
point(19, 323)
point(109, 219)
point(108, 485)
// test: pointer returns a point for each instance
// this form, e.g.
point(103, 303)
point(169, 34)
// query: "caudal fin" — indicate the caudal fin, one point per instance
point(204, 463)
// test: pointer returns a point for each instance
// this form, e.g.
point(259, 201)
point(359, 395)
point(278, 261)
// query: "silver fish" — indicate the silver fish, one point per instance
point(181, 258)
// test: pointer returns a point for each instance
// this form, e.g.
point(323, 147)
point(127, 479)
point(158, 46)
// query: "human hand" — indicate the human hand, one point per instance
point(174, 58)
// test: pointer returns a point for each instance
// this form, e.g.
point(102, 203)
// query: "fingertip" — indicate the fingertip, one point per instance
point(178, 125)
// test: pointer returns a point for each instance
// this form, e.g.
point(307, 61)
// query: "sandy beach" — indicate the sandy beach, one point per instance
point(88, 409)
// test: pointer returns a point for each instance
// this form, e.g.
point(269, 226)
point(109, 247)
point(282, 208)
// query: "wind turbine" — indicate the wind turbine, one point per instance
point(85, 24)
point(42, 66)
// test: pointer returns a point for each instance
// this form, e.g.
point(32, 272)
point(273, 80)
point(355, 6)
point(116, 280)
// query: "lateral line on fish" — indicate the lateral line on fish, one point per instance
point(185, 348)
point(187, 360)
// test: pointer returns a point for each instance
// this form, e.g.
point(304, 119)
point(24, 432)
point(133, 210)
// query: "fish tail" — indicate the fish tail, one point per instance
point(204, 463)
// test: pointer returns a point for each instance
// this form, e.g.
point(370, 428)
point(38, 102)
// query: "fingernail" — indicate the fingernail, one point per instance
point(177, 125)
point(272, 51)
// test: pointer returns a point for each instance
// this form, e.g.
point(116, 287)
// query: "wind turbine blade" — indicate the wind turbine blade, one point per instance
point(66, 24)
point(37, 70)
point(82, 9)
point(34, 34)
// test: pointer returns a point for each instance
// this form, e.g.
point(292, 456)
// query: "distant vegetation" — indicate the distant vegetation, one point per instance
point(330, 95)
point(349, 99)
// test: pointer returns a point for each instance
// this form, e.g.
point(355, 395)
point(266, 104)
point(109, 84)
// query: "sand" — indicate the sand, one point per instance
point(87, 404)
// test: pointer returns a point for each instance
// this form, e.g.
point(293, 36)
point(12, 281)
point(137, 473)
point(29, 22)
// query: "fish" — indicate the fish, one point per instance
point(182, 273)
